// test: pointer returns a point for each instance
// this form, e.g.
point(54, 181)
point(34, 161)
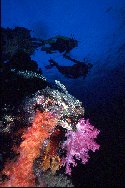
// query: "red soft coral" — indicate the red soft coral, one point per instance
point(21, 172)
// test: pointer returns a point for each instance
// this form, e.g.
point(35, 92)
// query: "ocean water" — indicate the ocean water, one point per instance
point(99, 26)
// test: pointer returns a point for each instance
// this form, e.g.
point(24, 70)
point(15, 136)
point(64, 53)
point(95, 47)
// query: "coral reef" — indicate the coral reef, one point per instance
point(42, 126)
point(56, 134)
point(53, 116)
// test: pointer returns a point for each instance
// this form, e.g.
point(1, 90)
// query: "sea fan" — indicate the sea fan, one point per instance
point(78, 144)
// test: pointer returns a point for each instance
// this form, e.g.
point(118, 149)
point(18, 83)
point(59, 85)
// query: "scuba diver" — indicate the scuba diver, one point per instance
point(75, 71)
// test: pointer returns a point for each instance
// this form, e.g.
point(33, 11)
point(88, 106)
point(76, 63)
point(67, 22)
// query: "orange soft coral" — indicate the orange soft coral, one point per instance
point(21, 172)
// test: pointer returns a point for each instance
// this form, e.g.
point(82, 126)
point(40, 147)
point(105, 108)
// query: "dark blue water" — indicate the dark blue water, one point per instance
point(99, 26)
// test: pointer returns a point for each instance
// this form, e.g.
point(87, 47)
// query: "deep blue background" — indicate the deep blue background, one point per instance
point(99, 26)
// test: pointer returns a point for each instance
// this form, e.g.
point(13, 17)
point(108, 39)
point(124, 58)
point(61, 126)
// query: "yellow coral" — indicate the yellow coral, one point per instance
point(51, 159)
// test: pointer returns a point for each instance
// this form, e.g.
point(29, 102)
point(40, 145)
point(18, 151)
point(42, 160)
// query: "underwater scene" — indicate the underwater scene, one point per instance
point(62, 97)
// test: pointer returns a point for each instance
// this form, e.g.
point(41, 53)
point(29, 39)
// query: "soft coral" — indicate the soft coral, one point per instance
point(21, 172)
point(78, 144)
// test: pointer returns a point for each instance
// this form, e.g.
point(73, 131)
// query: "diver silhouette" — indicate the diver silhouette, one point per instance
point(79, 69)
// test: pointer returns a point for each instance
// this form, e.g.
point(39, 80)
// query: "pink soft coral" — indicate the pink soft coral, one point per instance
point(79, 143)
